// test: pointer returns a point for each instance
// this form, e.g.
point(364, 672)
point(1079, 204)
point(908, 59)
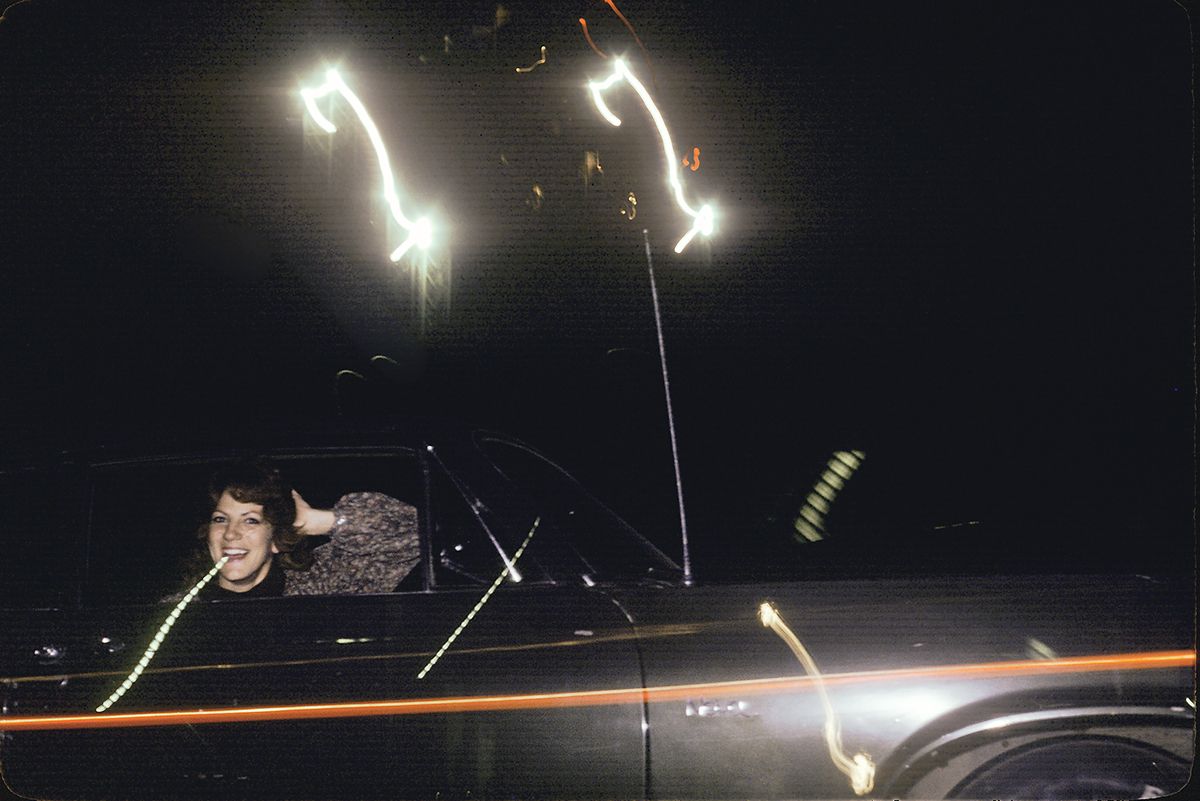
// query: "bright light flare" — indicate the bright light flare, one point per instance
point(420, 232)
point(702, 218)
point(703, 225)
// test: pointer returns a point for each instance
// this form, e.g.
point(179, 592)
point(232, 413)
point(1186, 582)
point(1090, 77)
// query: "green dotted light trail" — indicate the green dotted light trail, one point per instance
point(479, 605)
point(162, 635)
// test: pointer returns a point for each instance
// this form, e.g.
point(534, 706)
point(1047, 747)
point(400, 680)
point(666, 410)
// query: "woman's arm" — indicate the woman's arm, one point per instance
point(311, 522)
point(373, 545)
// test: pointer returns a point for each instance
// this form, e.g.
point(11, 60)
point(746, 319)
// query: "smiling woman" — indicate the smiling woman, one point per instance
point(258, 519)
point(151, 521)
point(253, 519)
point(237, 532)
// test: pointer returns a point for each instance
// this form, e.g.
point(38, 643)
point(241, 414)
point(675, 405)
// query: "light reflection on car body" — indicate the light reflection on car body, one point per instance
point(598, 675)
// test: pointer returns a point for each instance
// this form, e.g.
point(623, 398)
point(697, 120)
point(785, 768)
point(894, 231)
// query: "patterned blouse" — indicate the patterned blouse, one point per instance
point(372, 546)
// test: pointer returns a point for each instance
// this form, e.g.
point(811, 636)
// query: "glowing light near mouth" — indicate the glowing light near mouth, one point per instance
point(420, 232)
point(702, 218)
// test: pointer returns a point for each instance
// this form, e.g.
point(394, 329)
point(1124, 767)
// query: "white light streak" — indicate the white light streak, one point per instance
point(597, 88)
point(420, 232)
point(702, 218)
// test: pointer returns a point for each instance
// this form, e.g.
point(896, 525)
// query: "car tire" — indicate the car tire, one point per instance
point(1078, 768)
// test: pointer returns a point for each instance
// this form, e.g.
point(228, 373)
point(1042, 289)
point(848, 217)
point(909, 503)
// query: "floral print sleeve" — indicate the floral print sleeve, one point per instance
point(372, 546)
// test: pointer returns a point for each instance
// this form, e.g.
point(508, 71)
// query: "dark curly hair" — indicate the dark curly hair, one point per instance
point(255, 480)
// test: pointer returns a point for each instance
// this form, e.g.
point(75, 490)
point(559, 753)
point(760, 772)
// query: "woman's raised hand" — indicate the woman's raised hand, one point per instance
point(309, 521)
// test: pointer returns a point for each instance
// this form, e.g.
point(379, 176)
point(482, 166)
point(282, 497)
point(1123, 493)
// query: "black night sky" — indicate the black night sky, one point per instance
point(957, 237)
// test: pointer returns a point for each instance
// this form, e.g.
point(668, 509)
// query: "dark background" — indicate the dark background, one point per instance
point(956, 237)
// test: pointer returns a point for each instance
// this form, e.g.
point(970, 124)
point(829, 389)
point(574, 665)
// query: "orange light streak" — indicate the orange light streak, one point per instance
point(588, 36)
point(613, 6)
point(681, 692)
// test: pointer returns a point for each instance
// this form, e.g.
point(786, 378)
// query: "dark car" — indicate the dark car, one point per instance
point(542, 648)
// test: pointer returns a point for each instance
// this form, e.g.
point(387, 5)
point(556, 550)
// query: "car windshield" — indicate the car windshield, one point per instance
point(147, 515)
point(601, 545)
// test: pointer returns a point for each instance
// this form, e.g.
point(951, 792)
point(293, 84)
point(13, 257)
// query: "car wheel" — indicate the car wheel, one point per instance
point(1077, 768)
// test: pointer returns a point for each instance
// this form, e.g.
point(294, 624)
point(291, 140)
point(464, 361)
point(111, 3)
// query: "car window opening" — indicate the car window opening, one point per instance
point(145, 515)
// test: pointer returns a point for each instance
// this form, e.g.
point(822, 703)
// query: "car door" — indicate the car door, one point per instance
point(465, 683)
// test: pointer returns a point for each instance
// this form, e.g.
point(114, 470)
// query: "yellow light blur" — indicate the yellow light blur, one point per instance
point(859, 769)
point(702, 218)
point(810, 522)
point(420, 232)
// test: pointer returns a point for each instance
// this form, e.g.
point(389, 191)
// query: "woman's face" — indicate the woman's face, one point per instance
point(239, 530)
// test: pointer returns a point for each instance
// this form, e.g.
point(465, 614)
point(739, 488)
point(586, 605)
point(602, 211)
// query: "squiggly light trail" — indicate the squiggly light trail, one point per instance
point(541, 60)
point(420, 232)
point(860, 770)
point(702, 218)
